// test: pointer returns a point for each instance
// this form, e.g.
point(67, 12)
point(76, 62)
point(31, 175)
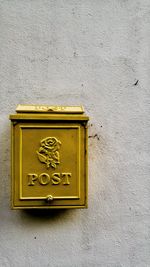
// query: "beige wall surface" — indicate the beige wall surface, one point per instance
point(95, 53)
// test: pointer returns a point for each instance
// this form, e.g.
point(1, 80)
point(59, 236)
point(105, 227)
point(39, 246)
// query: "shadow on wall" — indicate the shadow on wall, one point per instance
point(49, 217)
point(45, 214)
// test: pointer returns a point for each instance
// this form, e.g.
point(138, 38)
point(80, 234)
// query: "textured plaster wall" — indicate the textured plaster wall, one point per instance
point(95, 53)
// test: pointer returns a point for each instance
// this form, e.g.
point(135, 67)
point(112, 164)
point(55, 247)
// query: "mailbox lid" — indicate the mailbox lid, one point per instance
point(32, 180)
point(49, 109)
point(45, 112)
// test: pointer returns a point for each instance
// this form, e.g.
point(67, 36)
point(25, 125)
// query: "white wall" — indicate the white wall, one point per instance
point(88, 52)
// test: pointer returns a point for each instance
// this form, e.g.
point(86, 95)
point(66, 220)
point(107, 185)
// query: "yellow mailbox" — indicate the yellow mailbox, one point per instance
point(49, 157)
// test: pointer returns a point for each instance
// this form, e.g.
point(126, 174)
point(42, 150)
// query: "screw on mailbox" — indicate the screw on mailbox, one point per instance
point(49, 198)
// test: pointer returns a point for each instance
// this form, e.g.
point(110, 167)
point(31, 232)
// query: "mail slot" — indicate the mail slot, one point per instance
point(49, 157)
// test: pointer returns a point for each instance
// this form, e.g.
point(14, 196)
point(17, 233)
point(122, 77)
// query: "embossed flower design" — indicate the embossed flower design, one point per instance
point(48, 152)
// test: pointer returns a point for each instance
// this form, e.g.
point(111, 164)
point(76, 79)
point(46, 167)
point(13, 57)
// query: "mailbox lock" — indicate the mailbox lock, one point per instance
point(49, 198)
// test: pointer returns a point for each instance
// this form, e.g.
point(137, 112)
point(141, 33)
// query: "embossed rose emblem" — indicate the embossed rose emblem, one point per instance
point(48, 152)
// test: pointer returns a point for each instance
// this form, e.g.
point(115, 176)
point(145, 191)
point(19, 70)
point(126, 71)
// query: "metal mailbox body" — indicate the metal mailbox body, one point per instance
point(49, 157)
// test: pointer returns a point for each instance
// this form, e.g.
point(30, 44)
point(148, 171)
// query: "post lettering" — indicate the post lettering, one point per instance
point(56, 178)
point(32, 177)
point(44, 179)
point(66, 176)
